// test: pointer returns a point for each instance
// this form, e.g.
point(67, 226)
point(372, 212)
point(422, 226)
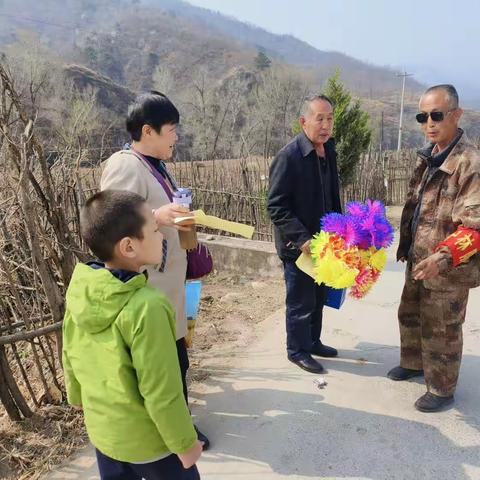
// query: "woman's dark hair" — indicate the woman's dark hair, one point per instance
point(152, 108)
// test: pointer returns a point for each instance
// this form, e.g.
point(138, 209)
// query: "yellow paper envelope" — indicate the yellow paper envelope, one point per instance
point(305, 264)
point(216, 223)
point(185, 221)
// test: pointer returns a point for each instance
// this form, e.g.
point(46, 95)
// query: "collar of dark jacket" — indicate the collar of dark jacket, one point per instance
point(122, 275)
point(158, 164)
point(155, 162)
point(306, 146)
point(446, 159)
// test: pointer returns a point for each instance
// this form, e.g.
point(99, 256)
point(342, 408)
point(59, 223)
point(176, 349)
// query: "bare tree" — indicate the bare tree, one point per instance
point(38, 248)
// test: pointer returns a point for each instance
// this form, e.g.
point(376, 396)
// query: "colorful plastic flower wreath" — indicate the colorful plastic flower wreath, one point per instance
point(349, 251)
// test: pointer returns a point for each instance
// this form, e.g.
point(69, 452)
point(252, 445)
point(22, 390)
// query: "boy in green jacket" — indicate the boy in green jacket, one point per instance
point(119, 351)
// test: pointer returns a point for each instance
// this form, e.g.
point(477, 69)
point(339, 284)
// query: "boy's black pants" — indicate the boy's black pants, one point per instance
point(169, 468)
point(184, 364)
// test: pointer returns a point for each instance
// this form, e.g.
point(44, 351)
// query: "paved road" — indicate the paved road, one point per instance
point(268, 421)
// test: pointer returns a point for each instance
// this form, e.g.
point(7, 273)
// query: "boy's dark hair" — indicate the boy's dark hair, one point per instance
point(109, 216)
point(152, 108)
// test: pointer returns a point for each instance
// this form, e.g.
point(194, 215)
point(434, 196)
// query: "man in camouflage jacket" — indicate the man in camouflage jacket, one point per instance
point(440, 240)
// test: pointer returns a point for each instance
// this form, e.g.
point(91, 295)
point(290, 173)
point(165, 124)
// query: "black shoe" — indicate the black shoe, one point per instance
point(202, 438)
point(433, 403)
point(308, 363)
point(400, 373)
point(322, 350)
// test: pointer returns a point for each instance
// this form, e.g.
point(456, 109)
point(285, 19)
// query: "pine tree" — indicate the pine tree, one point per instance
point(352, 131)
point(262, 62)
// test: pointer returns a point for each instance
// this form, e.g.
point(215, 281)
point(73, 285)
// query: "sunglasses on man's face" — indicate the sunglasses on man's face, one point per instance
point(435, 116)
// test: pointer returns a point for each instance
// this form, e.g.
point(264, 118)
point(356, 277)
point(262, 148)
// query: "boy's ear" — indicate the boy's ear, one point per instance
point(146, 130)
point(125, 248)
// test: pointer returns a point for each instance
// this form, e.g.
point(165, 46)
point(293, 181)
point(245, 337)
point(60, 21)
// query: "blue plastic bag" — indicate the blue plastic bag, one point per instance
point(193, 290)
point(335, 297)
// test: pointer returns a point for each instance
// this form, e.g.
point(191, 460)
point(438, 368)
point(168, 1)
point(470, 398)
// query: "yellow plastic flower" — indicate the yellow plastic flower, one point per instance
point(320, 242)
point(365, 256)
point(378, 260)
point(334, 272)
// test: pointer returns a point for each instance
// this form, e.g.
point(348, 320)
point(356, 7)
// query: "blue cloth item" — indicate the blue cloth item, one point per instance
point(335, 297)
point(193, 290)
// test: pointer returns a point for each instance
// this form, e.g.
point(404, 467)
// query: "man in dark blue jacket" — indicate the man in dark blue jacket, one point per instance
point(304, 186)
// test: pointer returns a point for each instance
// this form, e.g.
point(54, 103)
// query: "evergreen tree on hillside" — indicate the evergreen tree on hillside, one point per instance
point(352, 131)
point(262, 62)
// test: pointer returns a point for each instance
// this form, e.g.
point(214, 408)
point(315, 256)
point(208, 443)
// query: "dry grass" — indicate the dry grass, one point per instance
point(30, 448)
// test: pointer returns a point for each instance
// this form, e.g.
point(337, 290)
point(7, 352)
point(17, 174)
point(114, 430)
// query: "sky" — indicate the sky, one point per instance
point(436, 40)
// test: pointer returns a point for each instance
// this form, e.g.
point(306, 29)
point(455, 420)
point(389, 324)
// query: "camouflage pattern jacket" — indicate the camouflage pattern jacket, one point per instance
point(451, 197)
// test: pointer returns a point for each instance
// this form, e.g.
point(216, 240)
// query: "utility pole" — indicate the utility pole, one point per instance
point(400, 125)
point(381, 132)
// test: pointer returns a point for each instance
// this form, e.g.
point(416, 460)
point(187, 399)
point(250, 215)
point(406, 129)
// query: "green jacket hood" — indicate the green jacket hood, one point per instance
point(106, 296)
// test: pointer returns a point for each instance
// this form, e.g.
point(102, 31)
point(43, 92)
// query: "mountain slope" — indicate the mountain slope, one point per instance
point(64, 23)
point(366, 79)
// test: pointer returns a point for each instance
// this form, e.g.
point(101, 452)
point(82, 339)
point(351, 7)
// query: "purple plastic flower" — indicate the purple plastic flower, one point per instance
point(351, 233)
point(375, 207)
point(383, 233)
point(364, 225)
point(356, 209)
point(333, 223)
point(344, 226)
